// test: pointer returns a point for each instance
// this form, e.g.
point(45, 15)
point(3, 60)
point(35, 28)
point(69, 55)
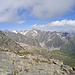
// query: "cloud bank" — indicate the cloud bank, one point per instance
point(55, 25)
point(16, 10)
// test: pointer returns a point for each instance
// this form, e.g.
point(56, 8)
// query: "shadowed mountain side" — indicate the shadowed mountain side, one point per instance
point(9, 45)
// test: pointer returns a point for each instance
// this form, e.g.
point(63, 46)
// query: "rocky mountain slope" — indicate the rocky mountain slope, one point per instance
point(50, 40)
point(46, 39)
point(69, 47)
point(15, 60)
point(8, 45)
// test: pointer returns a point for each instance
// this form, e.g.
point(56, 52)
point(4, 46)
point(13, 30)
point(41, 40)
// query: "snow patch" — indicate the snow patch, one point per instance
point(35, 31)
point(14, 31)
point(24, 32)
point(58, 34)
point(42, 44)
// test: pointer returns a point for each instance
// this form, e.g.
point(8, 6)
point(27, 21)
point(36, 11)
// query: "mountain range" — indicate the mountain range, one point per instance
point(63, 41)
point(45, 39)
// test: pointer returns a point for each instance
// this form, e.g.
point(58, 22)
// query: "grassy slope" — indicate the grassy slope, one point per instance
point(67, 59)
point(57, 54)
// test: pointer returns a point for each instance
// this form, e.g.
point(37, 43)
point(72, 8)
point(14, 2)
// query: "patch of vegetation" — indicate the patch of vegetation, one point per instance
point(26, 70)
point(44, 61)
point(67, 59)
point(36, 60)
point(24, 53)
point(30, 63)
point(40, 69)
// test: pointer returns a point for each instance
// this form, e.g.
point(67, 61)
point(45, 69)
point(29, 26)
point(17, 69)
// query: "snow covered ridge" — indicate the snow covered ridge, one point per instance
point(15, 31)
point(24, 32)
point(33, 32)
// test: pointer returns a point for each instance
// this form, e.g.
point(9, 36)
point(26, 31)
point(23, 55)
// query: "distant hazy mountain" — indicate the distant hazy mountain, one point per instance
point(46, 39)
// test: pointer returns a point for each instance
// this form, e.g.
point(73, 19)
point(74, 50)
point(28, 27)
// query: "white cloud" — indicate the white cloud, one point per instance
point(62, 23)
point(37, 8)
point(22, 21)
point(52, 8)
point(55, 24)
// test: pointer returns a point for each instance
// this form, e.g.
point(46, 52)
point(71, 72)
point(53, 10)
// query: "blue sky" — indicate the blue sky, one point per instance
point(51, 15)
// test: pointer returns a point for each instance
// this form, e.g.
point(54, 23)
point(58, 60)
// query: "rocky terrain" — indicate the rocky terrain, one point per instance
point(22, 59)
point(31, 64)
